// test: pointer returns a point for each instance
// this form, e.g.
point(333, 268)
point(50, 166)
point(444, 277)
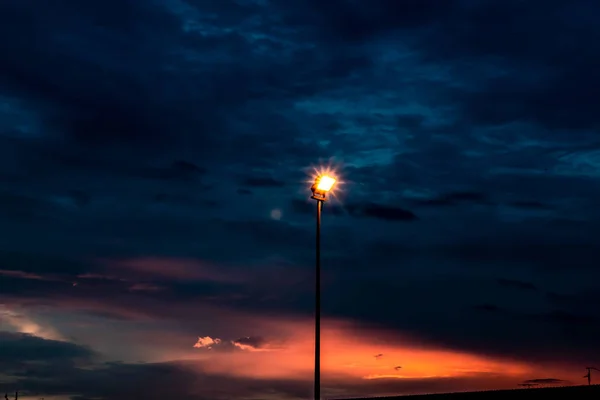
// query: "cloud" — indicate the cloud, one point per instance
point(454, 198)
point(541, 254)
point(178, 171)
point(350, 21)
point(286, 370)
point(245, 192)
point(570, 318)
point(308, 207)
point(18, 348)
point(170, 269)
point(513, 283)
point(17, 320)
point(386, 213)
point(581, 301)
point(133, 136)
point(545, 381)
point(488, 307)
point(184, 380)
point(291, 352)
point(257, 291)
point(145, 287)
point(291, 357)
point(251, 343)
point(530, 205)
point(484, 41)
point(263, 182)
point(206, 343)
point(22, 275)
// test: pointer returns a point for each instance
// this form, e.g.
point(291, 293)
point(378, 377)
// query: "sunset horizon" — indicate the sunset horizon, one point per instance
point(294, 199)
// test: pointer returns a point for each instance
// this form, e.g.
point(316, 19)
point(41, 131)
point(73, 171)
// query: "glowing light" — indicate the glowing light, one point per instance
point(325, 183)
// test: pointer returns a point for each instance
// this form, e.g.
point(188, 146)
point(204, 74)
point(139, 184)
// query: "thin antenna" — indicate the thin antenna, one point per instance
point(589, 374)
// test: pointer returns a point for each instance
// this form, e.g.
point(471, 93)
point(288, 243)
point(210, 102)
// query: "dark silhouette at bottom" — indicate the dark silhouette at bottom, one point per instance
point(582, 392)
point(16, 396)
point(528, 385)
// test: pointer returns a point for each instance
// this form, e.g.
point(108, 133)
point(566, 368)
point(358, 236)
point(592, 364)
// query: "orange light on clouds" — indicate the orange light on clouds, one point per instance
point(352, 357)
point(17, 320)
point(349, 353)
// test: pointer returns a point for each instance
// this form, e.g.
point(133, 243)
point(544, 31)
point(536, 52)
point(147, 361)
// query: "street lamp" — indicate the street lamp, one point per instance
point(322, 186)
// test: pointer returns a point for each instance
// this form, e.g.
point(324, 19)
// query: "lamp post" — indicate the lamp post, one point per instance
point(320, 189)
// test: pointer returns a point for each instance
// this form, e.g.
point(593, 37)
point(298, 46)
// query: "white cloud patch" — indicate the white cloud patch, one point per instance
point(207, 342)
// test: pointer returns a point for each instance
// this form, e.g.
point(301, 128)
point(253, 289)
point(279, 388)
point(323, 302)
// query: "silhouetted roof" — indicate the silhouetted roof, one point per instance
point(569, 392)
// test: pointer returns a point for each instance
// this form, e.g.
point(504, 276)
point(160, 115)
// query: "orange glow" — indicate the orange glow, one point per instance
point(325, 183)
point(349, 353)
point(325, 179)
point(17, 320)
point(354, 359)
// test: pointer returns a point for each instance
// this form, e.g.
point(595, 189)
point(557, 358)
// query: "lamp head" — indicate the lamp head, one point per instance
point(323, 185)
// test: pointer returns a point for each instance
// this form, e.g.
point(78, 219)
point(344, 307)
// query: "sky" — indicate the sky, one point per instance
point(157, 238)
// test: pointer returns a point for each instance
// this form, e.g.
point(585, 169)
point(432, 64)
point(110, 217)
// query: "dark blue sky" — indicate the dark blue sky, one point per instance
point(153, 165)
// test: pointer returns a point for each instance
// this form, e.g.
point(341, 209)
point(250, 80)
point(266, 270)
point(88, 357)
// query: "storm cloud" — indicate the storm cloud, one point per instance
point(155, 167)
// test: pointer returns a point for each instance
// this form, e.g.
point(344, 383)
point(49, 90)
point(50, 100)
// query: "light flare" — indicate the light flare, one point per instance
point(325, 183)
point(327, 179)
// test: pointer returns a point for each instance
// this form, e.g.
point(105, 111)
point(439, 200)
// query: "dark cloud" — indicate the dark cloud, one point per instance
point(410, 121)
point(553, 98)
point(488, 308)
point(178, 170)
point(544, 255)
point(454, 198)
point(569, 319)
point(20, 349)
point(367, 210)
point(92, 382)
point(303, 206)
point(514, 328)
point(308, 207)
point(90, 21)
point(81, 198)
point(41, 263)
point(263, 182)
point(533, 205)
point(383, 212)
point(126, 126)
point(583, 301)
point(186, 379)
point(246, 192)
point(545, 381)
point(513, 283)
point(350, 21)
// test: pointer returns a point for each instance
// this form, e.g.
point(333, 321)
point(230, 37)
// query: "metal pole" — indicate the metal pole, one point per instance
point(318, 305)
